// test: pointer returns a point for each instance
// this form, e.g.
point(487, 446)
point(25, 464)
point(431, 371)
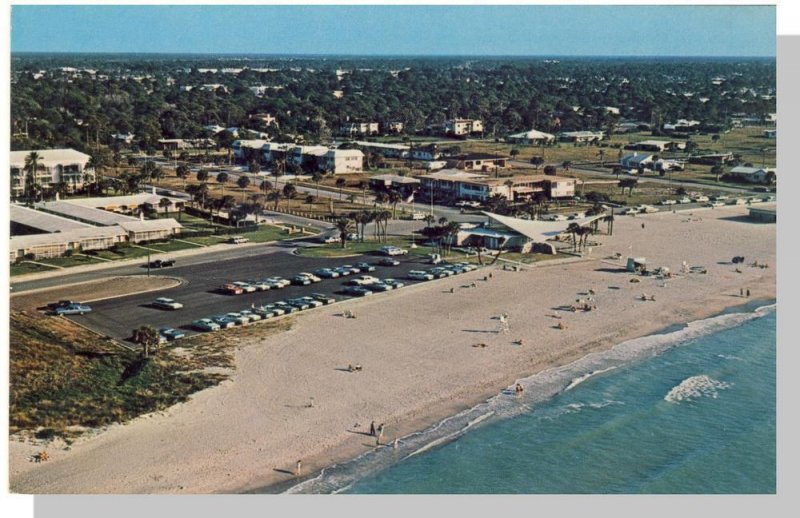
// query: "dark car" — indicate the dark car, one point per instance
point(159, 263)
point(61, 304)
point(356, 291)
point(171, 333)
point(72, 309)
point(388, 261)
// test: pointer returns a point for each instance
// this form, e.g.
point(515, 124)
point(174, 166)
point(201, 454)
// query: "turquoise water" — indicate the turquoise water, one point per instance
point(689, 411)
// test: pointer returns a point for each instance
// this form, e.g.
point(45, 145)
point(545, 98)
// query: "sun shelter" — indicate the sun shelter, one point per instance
point(636, 264)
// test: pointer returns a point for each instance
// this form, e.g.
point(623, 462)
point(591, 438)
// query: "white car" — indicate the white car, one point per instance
point(393, 250)
point(279, 281)
point(684, 200)
point(252, 316)
point(419, 275)
point(237, 317)
point(715, 204)
point(700, 199)
point(668, 202)
point(310, 276)
point(267, 312)
point(165, 303)
point(363, 280)
point(646, 209)
point(247, 288)
point(261, 285)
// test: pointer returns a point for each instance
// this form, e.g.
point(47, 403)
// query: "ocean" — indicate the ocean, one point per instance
point(690, 410)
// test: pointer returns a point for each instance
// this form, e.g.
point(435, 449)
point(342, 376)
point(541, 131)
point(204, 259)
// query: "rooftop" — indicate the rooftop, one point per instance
point(453, 175)
point(479, 156)
point(43, 221)
point(90, 214)
point(50, 157)
point(67, 236)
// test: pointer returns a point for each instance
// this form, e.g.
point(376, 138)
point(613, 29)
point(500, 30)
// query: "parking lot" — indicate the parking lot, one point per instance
point(201, 299)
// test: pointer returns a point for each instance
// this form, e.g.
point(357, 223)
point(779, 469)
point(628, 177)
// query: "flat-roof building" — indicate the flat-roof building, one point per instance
point(54, 166)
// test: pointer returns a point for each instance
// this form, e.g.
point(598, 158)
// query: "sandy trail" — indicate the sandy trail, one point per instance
point(419, 365)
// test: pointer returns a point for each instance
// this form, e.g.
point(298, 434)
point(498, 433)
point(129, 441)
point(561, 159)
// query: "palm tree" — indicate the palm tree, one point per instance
point(394, 197)
point(275, 197)
point(165, 204)
point(384, 217)
point(343, 225)
point(429, 219)
point(340, 183)
point(31, 166)
point(289, 191)
point(365, 217)
point(616, 170)
point(574, 228)
point(317, 177)
point(451, 231)
point(266, 185)
point(182, 172)
point(148, 337)
point(202, 176)
point(222, 179)
point(242, 182)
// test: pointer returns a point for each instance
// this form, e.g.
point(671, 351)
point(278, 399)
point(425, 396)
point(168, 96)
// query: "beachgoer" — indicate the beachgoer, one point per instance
point(452, 290)
point(372, 428)
point(485, 277)
point(298, 468)
point(642, 225)
point(741, 292)
point(395, 443)
point(748, 292)
point(473, 285)
point(490, 275)
point(358, 366)
point(350, 367)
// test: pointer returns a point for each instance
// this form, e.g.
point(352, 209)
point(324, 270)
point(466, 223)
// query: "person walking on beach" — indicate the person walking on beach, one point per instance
point(380, 435)
point(372, 428)
point(741, 292)
point(748, 292)
point(298, 468)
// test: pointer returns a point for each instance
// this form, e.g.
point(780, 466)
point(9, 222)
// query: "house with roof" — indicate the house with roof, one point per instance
point(656, 146)
point(387, 150)
point(342, 161)
point(427, 152)
point(405, 185)
point(637, 161)
point(531, 138)
point(394, 127)
point(298, 154)
point(243, 147)
point(581, 136)
point(273, 151)
point(56, 244)
point(476, 162)
point(126, 138)
point(752, 174)
point(54, 166)
point(455, 184)
point(463, 127)
point(352, 129)
point(517, 234)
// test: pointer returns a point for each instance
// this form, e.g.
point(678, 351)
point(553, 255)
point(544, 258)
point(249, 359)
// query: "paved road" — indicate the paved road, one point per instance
point(118, 317)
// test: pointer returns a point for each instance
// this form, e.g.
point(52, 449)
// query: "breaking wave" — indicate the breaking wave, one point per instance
point(696, 387)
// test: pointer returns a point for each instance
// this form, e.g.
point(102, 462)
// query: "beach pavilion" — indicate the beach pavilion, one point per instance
point(515, 233)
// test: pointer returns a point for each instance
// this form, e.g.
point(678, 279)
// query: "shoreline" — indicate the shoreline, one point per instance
point(425, 423)
point(420, 363)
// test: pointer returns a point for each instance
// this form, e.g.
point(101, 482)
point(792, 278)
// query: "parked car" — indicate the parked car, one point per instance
point(264, 312)
point(279, 281)
point(326, 273)
point(352, 268)
point(238, 318)
point(170, 333)
point(61, 304)
point(715, 204)
point(223, 321)
point(392, 250)
point(165, 303)
point(251, 314)
point(737, 201)
point(342, 271)
point(417, 216)
point(271, 308)
point(205, 324)
point(388, 261)
point(299, 304)
point(468, 266)
point(311, 276)
point(419, 275)
point(356, 291)
point(72, 309)
point(238, 240)
point(330, 239)
point(394, 283)
point(378, 286)
point(311, 301)
point(300, 280)
point(363, 280)
point(719, 197)
point(162, 263)
point(365, 267)
point(684, 200)
point(247, 288)
point(323, 298)
point(287, 308)
point(700, 199)
point(440, 272)
point(232, 289)
point(667, 202)
point(260, 285)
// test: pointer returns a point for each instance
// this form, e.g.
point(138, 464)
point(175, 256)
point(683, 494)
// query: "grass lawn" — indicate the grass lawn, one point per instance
point(171, 246)
point(23, 268)
point(75, 260)
point(268, 233)
point(124, 252)
point(206, 240)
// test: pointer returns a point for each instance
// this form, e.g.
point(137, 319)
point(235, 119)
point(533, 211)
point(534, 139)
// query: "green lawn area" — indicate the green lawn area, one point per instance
point(124, 252)
point(75, 260)
point(268, 233)
point(171, 246)
point(23, 268)
point(206, 240)
point(187, 220)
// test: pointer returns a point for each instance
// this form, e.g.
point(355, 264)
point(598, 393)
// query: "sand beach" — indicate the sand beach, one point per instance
point(426, 352)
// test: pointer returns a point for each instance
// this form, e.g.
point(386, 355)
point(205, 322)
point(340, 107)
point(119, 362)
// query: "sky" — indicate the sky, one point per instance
point(398, 30)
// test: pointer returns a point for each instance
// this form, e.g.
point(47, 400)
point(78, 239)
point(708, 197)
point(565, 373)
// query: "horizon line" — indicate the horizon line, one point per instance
point(354, 55)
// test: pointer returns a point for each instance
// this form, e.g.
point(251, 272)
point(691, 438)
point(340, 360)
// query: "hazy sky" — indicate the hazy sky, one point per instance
point(427, 30)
